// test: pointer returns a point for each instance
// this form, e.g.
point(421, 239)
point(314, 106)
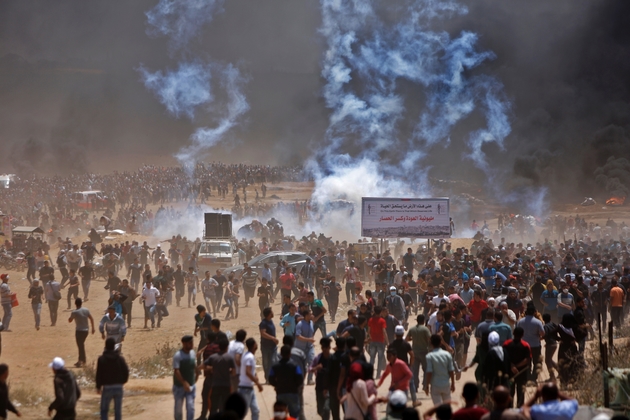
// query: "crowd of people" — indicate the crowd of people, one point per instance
point(518, 305)
point(48, 202)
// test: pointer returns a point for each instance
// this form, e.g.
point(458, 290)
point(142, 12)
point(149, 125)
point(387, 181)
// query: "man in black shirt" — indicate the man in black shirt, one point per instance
point(113, 283)
point(334, 372)
point(46, 273)
point(87, 273)
point(358, 332)
point(178, 279)
point(321, 367)
point(220, 278)
point(286, 377)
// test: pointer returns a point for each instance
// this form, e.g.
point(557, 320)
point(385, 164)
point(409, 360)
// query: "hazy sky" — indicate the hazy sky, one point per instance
point(68, 83)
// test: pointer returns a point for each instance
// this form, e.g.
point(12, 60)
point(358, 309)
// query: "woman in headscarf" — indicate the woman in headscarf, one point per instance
point(357, 398)
point(496, 367)
point(568, 353)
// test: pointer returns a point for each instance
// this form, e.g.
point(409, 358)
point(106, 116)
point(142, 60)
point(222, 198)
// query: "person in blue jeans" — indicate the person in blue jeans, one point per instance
point(185, 374)
point(268, 340)
point(112, 373)
point(248, 378)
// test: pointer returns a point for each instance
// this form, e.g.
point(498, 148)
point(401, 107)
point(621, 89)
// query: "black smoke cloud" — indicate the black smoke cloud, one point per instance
point(68, 86)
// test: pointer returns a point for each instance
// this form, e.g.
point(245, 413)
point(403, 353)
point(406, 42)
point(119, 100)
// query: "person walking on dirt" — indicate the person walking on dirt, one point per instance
point(5, 300)
point(112, 373)
point(185, 374)
point(53, 296)
point(5, 402)
point(73, 286)
point(192, 283)
point(87, 274)
point(67, 392)
point(81, 316)
point(35, 293)
point(149, 298)
point(112, 325)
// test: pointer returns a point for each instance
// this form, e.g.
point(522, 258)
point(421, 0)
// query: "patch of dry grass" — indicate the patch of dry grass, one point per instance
point(156, 366)
point(27, 396)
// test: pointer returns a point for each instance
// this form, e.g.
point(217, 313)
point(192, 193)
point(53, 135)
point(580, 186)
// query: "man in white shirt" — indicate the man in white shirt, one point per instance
point(236, 349)
point(149, 297)
point(248, 378)
point(73, 257)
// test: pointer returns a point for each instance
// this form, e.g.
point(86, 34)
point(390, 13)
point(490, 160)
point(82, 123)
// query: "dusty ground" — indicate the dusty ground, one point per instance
point(28, 351)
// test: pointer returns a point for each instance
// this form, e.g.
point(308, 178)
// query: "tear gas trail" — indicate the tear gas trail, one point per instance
point(183, 90)
point(204, 138)
point(375, 66)
point(181, 20)
point(188, 90)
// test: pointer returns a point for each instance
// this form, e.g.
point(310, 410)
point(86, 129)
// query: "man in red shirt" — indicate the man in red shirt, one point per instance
point(377, 327)
point(476, 307)
point(471, 411)
point(519, 354)
point(617, 298)
point(286, 283)
point(401, 374)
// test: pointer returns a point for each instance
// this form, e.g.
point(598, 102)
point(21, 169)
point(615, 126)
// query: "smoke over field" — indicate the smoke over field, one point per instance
point(525, 99)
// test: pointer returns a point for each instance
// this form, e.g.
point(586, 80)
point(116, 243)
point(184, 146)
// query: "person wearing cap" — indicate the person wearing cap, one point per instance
point(185, 374)
point(112, 373)
point(555, 404)
point(5, 300)
point(395, 304)
point(440, 368)
point(396, 406)
point(113, 325)
point(405, 353)
point(67, 392)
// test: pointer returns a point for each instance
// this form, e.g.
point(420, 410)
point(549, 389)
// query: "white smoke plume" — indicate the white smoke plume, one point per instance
point(370, 60)
point(187, 90)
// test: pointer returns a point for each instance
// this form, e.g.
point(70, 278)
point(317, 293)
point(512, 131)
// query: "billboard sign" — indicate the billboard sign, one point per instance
point(405, 217)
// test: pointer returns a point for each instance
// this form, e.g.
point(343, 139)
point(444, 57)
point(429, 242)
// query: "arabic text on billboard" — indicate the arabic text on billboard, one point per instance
point(405, 217)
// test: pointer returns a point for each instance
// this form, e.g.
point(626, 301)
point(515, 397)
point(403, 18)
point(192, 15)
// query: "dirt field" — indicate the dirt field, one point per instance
point(28, 352)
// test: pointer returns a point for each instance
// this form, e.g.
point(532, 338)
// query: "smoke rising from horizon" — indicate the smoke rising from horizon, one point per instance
point(69, 87)
point(368, 61)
